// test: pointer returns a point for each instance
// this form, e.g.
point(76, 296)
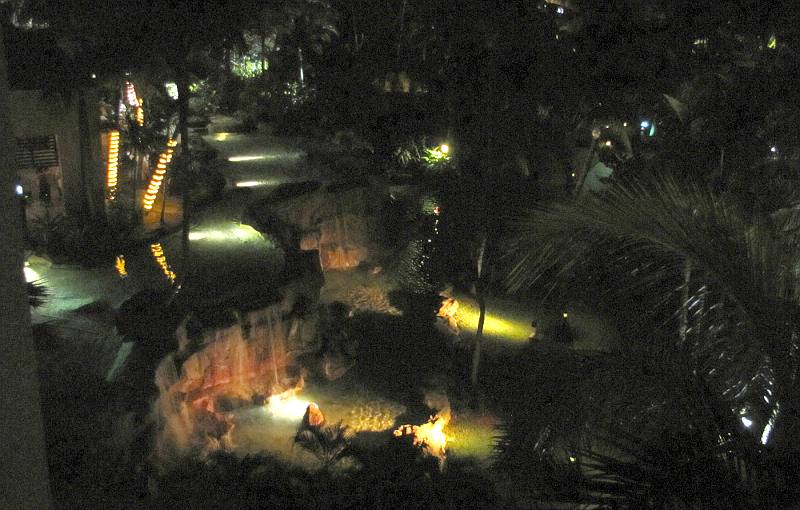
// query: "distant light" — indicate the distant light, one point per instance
point(241, 232)
point(130, 94)
point(221, 137)
point(565, 315)
point(236, 159)
point(94, 76)
point(248, 184)
point(572, 458)
point(444, 148)
point(773, 149)
point(608, 127)
point(747, 422)
point(572, 174)
point(112, 163)
point(765, 435)
point(645, 124)
point(119, 265)
point(560, 10)
point(625, 124)
point(30, 274)
point(19, 190)
point(287, 408)
point(172, 89)
point(770, 424)
point(608, 143)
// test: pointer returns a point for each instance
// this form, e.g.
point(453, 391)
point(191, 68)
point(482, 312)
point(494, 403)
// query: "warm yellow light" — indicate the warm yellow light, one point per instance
point(221, 137)
point(119, 264)
point(565, 315)
point(495, 325)
point(444, 148)
point(161, 260)
point(287, 407)
point(429, 436)
point(112, 163)
point(158, 175)
point(608, 143)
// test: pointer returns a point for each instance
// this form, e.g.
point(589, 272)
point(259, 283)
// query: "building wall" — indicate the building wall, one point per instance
point(32, 114)
point(23, 477)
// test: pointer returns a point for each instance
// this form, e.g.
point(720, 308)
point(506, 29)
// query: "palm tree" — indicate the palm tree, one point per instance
point(719, 390)
point(308, 25)
point(142, 141)
point(329, 444)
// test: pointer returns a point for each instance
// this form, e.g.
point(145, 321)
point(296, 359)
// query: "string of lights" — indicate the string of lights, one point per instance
point(112, 163)
point(158, 175)
point(161, 260)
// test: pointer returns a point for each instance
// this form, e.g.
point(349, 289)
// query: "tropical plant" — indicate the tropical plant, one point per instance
point(706, 378)
point(37, 293)
point(329, 444)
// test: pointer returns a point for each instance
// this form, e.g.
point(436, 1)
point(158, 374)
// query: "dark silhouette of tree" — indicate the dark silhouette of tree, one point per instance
point(723, 388)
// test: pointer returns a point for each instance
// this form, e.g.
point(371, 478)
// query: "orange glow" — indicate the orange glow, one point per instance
point(430, 436)
point(448, 312)
point(112, 165)
point(130, 94)
point(158, 175)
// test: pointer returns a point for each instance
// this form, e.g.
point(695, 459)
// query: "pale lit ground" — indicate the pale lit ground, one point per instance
point(509, 323)
point(370, 416)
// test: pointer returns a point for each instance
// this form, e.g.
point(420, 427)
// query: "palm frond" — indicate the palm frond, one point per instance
point(38, 293)
point(328, 444)
point(642, 232)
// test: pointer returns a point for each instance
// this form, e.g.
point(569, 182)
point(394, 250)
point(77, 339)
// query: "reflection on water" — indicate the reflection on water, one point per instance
point(228, 263)
point(119, 265)
point(161, 260)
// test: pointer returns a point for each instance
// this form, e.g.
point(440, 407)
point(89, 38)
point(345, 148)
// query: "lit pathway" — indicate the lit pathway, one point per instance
point(509, 323)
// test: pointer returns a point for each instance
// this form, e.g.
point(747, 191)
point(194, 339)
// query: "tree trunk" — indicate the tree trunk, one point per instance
point(683, 324)
point(24, 479)
point(300, 59)
point(185, 159)
point(476, 353)
point(585, 173)
point(164, 201)
point(135, 177)
point(477, 291)
point(92, 198)
point(400, 32)
point(263, 50)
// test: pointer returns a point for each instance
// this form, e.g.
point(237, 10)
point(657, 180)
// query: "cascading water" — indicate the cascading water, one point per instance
point(233, 366)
